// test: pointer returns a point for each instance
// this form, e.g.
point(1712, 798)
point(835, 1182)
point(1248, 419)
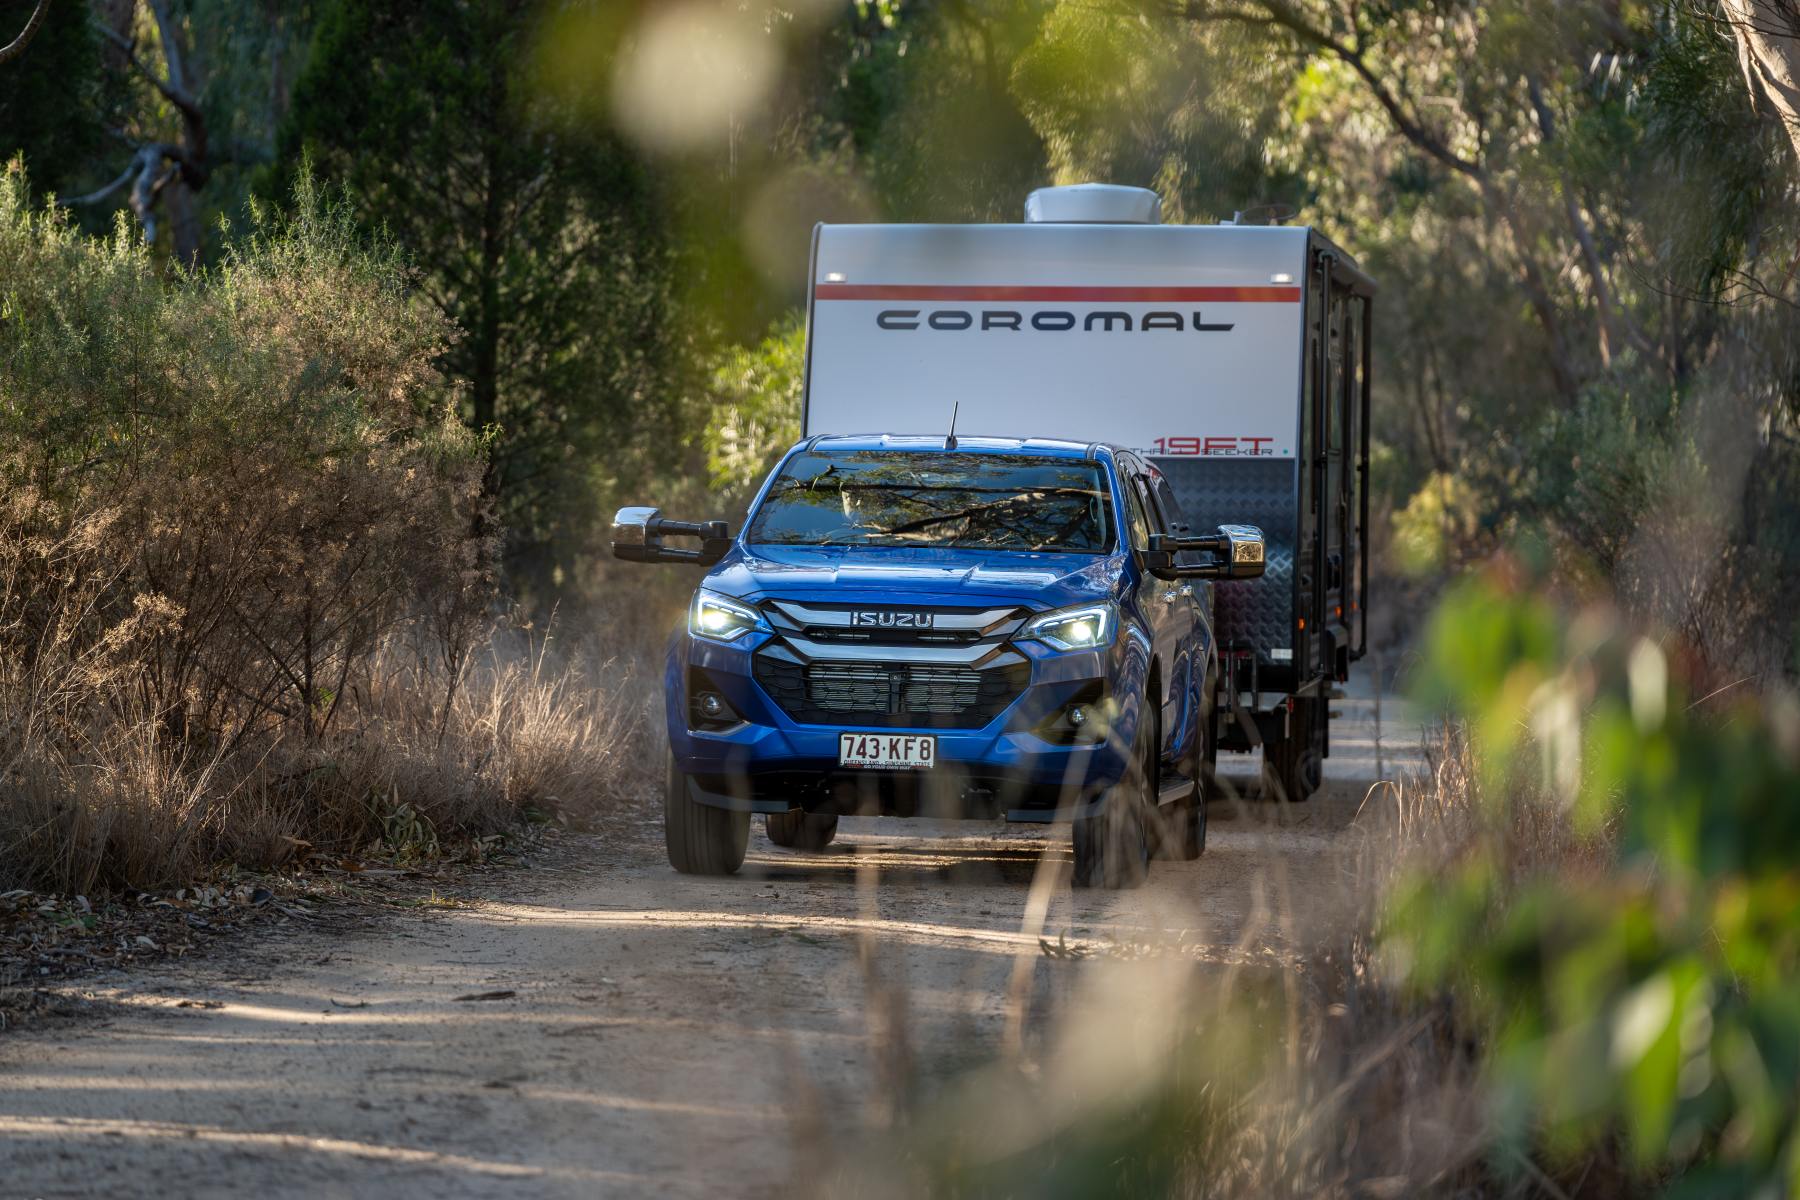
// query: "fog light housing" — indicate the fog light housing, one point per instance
point(1079, 720)
point(707, 707)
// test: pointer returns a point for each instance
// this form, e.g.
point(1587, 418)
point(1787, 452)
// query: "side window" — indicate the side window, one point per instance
point(1172, 518)
point(1134, 511)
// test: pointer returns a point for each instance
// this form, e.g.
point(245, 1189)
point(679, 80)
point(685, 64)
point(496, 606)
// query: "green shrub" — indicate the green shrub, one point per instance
point(1652, 997)
point(238, 509)
point(271, 443)
point(1437, 523)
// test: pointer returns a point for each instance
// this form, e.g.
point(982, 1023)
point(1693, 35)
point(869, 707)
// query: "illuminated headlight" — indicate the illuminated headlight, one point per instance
point(721, 618)
point(1081, 627)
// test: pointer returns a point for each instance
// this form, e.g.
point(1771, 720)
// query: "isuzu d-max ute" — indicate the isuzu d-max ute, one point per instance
point(974, 627)
point(1019, 623)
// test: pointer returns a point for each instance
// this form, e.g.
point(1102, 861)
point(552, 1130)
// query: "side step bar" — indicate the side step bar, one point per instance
point(1175, 788)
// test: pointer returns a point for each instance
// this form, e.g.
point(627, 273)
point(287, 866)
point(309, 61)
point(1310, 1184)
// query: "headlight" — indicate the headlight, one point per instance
point(1079, 627)
point(721, 618)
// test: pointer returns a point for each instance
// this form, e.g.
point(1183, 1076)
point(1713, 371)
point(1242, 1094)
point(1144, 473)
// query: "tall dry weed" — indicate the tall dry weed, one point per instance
point(119, 801)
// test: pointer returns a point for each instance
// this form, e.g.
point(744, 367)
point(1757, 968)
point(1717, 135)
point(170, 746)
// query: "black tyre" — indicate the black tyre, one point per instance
point(1182, 825)
point(701, 839)
point(800, 830)
point(1112, 847)
point(1294, 767)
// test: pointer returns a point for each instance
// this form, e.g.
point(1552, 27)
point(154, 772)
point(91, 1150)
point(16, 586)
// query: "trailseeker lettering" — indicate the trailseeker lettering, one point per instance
point(1048, 321)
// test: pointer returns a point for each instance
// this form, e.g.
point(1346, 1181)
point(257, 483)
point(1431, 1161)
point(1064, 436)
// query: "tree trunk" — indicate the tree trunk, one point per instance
point(485, 376)
point(184, 222)
point(1768, 40)
point(484, 372)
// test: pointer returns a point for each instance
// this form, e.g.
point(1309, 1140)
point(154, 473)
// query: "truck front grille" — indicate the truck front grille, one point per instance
point(944, 691)
point(913, 695)
point(892, 666)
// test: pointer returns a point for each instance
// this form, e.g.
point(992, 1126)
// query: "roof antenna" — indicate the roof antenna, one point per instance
point(950, 438)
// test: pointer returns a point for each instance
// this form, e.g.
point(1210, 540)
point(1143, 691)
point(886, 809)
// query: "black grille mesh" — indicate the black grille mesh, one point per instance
point(932, 696)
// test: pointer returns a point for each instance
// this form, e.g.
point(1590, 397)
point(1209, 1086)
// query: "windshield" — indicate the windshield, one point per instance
point(937, 498)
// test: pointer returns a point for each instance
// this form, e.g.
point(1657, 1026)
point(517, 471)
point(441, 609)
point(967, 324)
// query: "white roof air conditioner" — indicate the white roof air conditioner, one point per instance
point(1093, 204)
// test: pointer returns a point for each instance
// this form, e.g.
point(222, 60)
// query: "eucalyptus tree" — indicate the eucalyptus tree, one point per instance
point(536, 235)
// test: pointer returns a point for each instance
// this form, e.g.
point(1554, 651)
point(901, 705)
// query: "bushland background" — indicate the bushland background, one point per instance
point(331, 334)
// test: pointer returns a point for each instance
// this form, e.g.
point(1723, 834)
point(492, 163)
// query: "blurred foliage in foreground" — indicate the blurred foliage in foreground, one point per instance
point(1570, 965)
point(1657, 995)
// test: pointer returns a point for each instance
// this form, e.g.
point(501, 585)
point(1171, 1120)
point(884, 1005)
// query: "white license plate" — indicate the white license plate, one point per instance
point(887, 751)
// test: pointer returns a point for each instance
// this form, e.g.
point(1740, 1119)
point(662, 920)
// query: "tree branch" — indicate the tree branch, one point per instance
point(17, 46)
point(1282, 16)
point(1611, 313)
point(99, 194)
point(171, 45)
point(175, 94)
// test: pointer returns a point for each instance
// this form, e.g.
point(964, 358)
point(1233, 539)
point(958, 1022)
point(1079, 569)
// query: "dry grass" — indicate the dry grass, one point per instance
point(1360, 1088)
point(528, 724)
point(121, 802)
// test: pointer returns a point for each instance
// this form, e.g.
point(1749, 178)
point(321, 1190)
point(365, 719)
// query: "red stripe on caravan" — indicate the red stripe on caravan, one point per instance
point(932, 291)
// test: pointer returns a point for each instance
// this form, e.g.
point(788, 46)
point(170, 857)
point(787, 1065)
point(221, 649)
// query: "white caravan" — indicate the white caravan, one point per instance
point(1235, 358)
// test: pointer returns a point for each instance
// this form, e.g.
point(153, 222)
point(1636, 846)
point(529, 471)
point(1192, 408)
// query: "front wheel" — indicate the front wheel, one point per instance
point(701, 839)
point(799, 830)
point(1112, 847)
point(1183, 824)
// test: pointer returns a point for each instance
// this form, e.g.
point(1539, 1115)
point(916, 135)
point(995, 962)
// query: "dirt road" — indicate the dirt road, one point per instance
point(650, 1034)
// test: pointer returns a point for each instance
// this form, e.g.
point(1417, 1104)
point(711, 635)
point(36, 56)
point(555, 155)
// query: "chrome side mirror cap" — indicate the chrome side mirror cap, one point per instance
point(638, 533)
point(631, 536)
point(1237, 554)
point(1242, 553)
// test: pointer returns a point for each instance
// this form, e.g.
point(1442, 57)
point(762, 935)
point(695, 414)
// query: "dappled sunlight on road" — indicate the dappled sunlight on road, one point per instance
point(63, 1129)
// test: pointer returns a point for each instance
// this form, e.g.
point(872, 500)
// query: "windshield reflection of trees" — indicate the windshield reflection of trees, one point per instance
point(965, 501)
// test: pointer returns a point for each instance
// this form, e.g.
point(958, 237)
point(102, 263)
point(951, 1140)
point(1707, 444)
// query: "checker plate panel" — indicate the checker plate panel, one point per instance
point(1245, 491)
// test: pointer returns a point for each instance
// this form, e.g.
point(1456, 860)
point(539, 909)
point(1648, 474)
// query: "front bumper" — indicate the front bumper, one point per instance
point(768, 762)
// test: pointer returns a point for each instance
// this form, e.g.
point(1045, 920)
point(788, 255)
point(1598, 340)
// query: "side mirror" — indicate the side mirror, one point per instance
point(638, 533)
point(1243, 551)
point(1238, 551)
point(1160, 562)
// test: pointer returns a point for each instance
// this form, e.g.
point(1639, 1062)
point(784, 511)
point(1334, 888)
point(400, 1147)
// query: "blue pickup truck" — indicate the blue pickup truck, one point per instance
point(981, 628)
